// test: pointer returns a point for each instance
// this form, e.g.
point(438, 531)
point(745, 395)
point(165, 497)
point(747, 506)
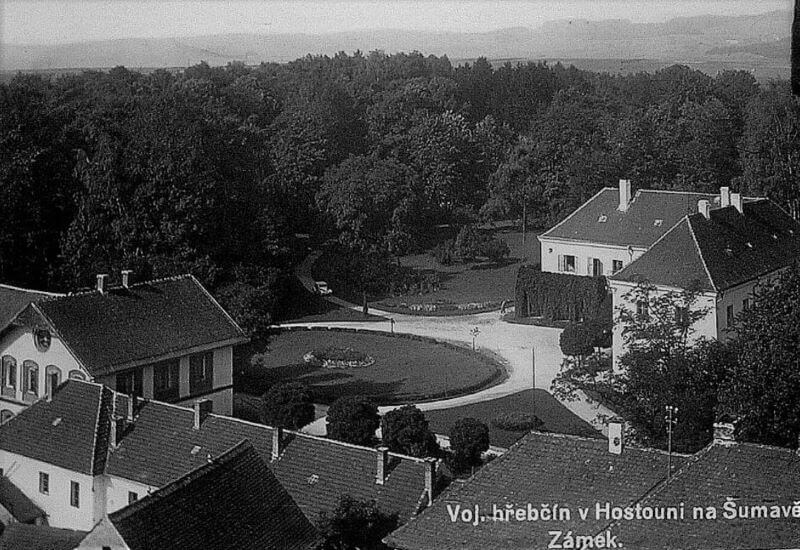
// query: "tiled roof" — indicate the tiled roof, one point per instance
point(23, 509)
point(746, 474)
point(541, 468)
point(233, 502)
point(725, 250)
point(20, 536)
point(13, 300)
point(124, 327)
point(65, 430)
point(650, 214)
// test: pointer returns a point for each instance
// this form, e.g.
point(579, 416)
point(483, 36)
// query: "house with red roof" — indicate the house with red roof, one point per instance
point(167, 339)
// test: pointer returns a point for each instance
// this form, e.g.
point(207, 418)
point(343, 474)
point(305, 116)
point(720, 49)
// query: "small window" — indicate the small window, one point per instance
point(30, 372)
point(76, 375)
point(132, 497)
point(74, 494)
point(616, 265)
point(729, 315)
point(602, 219)
point(201, 372)
point(642, 308)
point(52, 378)
point(44, 483)
point(746, 304)
point(165, 380)
point(9, 374)
point(681, 315)
point(129, 382)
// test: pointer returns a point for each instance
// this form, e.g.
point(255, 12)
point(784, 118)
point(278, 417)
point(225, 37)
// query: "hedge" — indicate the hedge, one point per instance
point(561, 297)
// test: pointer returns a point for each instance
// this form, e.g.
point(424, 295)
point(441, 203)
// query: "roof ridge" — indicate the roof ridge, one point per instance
point(615, 276)
point(700, 254)
point(45, 292)
point(88, 291)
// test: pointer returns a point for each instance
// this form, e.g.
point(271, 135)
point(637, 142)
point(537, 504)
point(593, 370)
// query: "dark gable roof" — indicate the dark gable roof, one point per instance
point(634, 227)
point(124, 327)
point(233, 502)
point(725, 250)
point(747, 473)
point(539, 469)
point(23, 509)
point(64, 431)
point(20, 536)
point(13, 300)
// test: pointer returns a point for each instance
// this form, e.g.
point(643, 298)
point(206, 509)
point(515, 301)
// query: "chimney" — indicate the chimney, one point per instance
point(703, 208)
point(126, 277)
point(131, 405)
point(624, 194)
point(430, 478)
point(101, 282)
point(616, 439)
point(201, 409)
point(724, 432)
point(277, 443)
point(383, 464)
point(736, 200)
point(724, 197)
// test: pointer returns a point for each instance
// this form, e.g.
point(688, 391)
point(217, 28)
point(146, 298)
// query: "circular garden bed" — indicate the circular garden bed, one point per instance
point(387, 368)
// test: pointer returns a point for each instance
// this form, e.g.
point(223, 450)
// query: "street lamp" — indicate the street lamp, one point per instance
point(474, 332)
point(391, 323)
point(671, 420)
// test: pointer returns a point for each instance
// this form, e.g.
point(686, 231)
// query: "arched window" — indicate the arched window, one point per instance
point(9, 376)
point(52, 378)
point(5, 416)
point(30, 378)
point(76, 375)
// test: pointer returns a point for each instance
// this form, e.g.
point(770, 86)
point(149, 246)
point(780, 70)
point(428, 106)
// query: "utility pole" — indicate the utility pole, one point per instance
point(474, 332)
point(533, 378)
point(671, 419)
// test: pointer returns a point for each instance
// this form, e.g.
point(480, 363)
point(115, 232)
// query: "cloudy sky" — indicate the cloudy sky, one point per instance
point(60, 21)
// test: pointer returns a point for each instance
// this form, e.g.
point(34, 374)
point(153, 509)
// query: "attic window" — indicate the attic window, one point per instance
point(658, 223)
point(775, 236)
point(57, 421)
point(749, 245)
point(195, 450)
point(728, 251)
point(312, 479)
point(602, 219)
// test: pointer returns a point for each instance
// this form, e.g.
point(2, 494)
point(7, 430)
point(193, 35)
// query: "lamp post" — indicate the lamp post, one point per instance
point(671, 420)
point(474, 332)
point(391, 324)
point(533, 378)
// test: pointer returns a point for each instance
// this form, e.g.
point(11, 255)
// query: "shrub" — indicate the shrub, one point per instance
point(444, 252)
point(517, 422)
point(288, 405)
point(468, 243)
point(468, 439)
point(405, 430)
point(576, 340)
point(353, 419)
point(495, 249)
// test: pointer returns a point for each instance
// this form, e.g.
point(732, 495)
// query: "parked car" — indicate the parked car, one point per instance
point(321, 288)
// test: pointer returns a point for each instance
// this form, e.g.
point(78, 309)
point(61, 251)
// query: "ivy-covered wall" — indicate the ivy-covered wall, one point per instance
point(559, 296)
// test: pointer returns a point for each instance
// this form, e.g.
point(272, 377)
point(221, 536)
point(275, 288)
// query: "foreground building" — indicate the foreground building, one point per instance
point(88, 452)
point(167, 339)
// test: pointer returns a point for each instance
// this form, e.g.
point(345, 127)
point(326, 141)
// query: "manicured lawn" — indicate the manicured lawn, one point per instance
point(556, 417)
point(405, 369)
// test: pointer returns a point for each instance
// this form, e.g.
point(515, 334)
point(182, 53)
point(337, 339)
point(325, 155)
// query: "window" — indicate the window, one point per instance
point(729, 315)
point(681, 315)
point(746, 304)
point(44, 483)
point(616, 265)
point(165, 380)
point(642, 308)
point(76, 375)
point(129, 382)
point(566, 263)
point(595, 267)
point(30, 380)
point(9, 374)
point(52, 378)
point(132, 497)
point(74, 494)
point(201, 372)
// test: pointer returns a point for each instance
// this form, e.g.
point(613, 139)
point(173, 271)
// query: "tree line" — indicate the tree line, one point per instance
point(215, 170)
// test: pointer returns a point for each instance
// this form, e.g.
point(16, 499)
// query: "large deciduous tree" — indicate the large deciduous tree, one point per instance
point(405, 430)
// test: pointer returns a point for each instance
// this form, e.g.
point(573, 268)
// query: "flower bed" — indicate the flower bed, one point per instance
point(338, 358)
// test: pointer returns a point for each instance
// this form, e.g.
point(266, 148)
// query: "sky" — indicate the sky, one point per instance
point(63, 21)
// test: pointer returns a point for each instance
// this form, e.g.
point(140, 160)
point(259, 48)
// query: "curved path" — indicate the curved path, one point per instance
point(511, 342)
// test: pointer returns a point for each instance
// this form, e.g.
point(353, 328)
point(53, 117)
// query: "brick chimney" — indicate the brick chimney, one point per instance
point(202, 407)
point(277, 443)
point(704, 208)
point(383, 465)
point(430, 478)
point(624, 194)
point(736, 201)
point(126, 277)
point(102, 279)
point(724, 432)
point(616, 438)
point(724, 196)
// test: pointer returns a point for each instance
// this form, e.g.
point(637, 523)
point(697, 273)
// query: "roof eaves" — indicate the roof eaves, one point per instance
point(581, 207)
point(96, 429)
point(700, 254)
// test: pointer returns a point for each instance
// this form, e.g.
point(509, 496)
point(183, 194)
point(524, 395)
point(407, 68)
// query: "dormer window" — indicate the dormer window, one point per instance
point(749, 245)
point(658, 223)
point(602, 219)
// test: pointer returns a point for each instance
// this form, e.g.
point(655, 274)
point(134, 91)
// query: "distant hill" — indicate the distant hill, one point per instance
point(686, 39)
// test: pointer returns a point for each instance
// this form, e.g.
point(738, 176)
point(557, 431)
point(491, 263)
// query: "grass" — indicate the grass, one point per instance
point(556, 417)
point(405, 369)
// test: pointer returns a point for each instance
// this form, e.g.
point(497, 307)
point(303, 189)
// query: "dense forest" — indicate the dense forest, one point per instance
point(215, 170)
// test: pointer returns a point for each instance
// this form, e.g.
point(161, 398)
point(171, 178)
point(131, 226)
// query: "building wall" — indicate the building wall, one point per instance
point(222, 401)
point(118, 490)
point(707, 326)
point(24, 473)
point(551, 249)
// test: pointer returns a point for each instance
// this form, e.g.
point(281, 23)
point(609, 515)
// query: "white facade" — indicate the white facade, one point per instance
point(585, 258)
point(121, 492)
